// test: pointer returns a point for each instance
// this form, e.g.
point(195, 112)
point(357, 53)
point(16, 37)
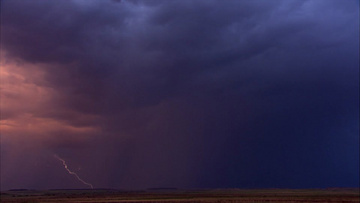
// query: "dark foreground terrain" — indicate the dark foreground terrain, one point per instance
point(174, 195)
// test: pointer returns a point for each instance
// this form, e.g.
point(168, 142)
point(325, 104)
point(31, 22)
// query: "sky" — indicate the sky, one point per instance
point(136, 94)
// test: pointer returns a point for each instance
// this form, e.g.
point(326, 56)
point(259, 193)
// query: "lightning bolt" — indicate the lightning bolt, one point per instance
point(72, 173)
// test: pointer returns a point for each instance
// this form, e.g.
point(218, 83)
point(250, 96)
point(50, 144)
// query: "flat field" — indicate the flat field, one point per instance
point(177, 195)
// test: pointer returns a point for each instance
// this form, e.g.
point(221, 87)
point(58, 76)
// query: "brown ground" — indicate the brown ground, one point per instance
point(204, 196)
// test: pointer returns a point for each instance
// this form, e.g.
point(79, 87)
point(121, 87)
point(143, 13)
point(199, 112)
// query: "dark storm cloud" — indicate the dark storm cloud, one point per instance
point(200, 93)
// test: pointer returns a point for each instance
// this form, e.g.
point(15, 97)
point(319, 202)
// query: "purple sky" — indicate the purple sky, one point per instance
point(181, 93)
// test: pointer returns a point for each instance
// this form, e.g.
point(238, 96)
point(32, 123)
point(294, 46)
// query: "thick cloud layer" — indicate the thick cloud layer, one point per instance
point(137, 94)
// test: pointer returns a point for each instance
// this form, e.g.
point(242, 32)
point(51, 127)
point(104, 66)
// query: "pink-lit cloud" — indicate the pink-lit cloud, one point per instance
point(28, 102)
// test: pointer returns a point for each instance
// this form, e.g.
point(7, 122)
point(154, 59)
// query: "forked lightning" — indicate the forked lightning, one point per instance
point(72, 173)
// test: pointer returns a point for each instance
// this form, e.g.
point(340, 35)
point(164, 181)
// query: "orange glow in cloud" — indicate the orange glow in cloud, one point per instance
point(21, 90)
point(26, 100)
